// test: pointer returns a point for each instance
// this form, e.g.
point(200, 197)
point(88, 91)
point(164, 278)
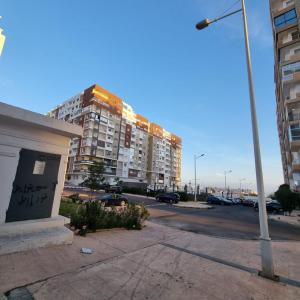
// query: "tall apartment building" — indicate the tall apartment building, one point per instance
point(131, 148)
point(285, 22)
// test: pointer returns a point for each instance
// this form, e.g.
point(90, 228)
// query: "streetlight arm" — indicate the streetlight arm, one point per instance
point(206, 22)
point(225, 16)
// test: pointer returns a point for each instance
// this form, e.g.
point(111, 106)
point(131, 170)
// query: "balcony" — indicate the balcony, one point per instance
point(294, 117)
point(295, 145)
point(292, 103)
point(292, 78)
point(279, 7)
point(296, 166)
point(294, 57)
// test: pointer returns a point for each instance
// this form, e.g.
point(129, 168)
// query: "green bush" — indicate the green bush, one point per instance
point(183, 196)
point(74, 197)
point(134, 190)
point(288, 199)
point(91, 216)
point(67, 208)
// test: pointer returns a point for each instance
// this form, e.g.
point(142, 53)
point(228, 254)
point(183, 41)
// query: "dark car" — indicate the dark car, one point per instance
point(168, 197)
point(218, 200)
point(234, 201)
point(113, 200)
point(248, 202)
point(272, 207)
point(113, 189)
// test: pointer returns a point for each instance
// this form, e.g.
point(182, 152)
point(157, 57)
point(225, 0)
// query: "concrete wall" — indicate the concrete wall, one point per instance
point(13, 138)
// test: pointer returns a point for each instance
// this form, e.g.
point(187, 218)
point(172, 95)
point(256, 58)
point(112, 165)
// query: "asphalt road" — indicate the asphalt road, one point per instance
point(237, 222)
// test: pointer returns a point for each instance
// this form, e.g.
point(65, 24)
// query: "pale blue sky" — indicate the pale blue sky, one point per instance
point(149, 54)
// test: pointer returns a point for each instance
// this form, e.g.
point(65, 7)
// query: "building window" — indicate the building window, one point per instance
point(295, 35)
point(287, 18)
point(289, 70)
point(295, 132)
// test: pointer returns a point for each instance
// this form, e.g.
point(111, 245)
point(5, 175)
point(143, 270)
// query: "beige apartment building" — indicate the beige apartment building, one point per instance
point(133, 149)
point(285, 22)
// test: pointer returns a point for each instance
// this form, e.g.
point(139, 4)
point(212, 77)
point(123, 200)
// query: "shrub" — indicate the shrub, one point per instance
point(67, 208)
point(91, 216)
point(287, 198)
point(183, 196)
point(74, 197)
point(134, 190)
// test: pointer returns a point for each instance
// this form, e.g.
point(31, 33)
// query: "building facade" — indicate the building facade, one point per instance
point(2, 40)
point(132, 149)
point(285, 23)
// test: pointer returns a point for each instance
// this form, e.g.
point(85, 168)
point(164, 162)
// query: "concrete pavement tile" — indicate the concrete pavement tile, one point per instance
point(46, 262)
point(187, 293)
point(147, 255)
point(128, 266)
point(49, 291)
point(22, 268)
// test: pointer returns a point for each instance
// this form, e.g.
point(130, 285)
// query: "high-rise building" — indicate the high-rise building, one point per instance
point(133, 149)
point(2, 40)
point(285, 22)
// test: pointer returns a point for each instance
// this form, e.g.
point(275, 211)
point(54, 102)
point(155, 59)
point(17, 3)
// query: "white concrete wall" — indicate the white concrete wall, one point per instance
point(9, 157)
point(13, 138)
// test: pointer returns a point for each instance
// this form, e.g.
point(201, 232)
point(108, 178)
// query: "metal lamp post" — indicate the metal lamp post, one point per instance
point(195, 167)
point(225, 175)
point(265, 241)
point(242, 179)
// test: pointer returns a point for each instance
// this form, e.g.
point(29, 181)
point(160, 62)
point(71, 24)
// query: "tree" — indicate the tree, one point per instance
point(185, 189)
point(118, 181)
point(287, 198)
point(95, 177)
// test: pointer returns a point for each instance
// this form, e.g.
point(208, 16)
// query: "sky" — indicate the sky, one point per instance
point(193, 83)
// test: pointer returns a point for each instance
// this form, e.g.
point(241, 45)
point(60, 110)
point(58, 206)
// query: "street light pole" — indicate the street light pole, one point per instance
point(225, 175)
point(265, 241)
point(195, 169)
point(241, 184)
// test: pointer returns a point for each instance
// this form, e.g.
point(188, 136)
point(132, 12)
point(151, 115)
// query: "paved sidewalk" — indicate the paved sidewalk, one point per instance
point(293, 219)
point(156, 263)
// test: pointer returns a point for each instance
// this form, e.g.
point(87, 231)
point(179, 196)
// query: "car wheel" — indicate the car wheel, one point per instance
point(171, 201)
point(123, 203)
point(222, 203)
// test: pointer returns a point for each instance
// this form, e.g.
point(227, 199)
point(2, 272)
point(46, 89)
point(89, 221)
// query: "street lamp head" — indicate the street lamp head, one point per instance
point(202, 155)
point(203, 24)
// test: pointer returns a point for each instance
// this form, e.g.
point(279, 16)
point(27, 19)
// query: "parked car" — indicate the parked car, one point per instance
point(168, 197)
point(218, 200)
point(248, 202)
point(113, 200)
point(234, 200)
point(272, 207)
point(113, 189)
